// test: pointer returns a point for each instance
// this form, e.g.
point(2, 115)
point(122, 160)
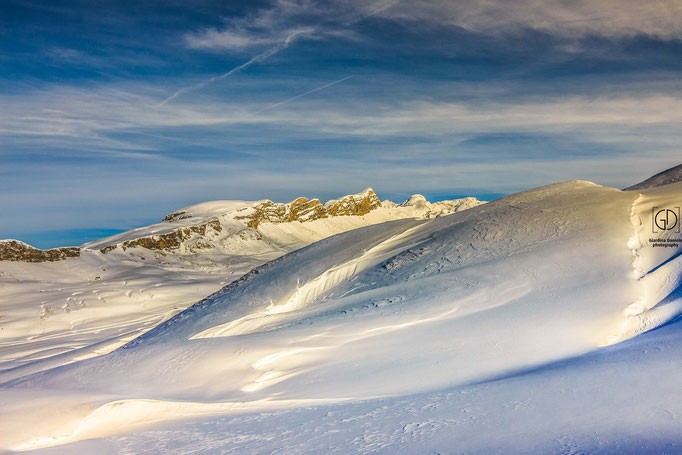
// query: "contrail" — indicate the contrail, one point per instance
point(270, 52)
point(378, 7)
point(301, 95)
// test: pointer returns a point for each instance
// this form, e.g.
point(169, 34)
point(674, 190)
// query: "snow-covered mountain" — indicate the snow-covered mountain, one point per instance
point(241, 228)
point(65, 304)
point(672, 175)
point(390, 316)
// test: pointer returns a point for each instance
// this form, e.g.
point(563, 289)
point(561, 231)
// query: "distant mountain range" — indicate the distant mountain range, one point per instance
point(243, 228)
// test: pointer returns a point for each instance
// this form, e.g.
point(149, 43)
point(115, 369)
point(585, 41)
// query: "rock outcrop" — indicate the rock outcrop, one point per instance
point(170, 240)
point(14, 250)
point(223, 228)
point(304, 209)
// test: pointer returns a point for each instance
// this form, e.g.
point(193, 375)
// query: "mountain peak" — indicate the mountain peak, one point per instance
point(303, 209)
point(228, 227)
point(672, 175)
point(414, 200)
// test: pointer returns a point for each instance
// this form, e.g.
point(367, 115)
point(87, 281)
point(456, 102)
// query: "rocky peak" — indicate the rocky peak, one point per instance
point(176, 216)
point(300, 209)
point(303, 209)
point(171, 240)
point(354, 204)
point(414, 200)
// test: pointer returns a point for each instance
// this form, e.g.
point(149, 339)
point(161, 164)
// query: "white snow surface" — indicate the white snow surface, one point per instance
point(55, 313)
point(473, 332)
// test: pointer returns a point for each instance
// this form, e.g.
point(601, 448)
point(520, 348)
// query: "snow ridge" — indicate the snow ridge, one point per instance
point(658, 276)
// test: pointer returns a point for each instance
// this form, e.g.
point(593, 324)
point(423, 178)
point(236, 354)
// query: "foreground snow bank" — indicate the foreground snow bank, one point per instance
point(399, 308)
point(602, 403)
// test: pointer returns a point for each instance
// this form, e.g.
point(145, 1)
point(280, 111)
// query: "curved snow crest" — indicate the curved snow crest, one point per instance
point(309, 291)
point(403, 307)
point(278, 281)
point(119, 416)
point(658, 270)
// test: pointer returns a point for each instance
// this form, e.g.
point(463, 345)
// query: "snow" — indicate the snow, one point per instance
point(597, 403)
point(56, 313)
point(666, 177)
point(472, 332)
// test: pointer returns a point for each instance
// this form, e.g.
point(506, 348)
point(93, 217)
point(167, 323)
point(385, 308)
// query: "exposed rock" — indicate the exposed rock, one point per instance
point(106, 249)
point(356, 204)
point(14, 250)
point(304, 209)
point(196, 229)
point(301, 209)
point(171, 240)
point(175, 216)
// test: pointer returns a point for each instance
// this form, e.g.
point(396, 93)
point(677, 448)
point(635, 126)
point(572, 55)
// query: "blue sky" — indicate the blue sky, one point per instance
point(113, 114)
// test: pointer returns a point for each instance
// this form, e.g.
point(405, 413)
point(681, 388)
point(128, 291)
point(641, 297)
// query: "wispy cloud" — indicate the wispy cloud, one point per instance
point(258, 58)
point(610, 18)
point(91, 115)
point(277, 25)
point(226, 39)
point(446, 95)
point(272, 106)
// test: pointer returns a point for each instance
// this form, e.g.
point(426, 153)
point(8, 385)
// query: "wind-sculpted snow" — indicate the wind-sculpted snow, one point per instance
point(393, 309)
point(657, 264)
point(97, 297)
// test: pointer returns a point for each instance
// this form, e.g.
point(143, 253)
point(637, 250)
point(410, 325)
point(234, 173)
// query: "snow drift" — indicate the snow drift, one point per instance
point(67, 304)
point(397, 308)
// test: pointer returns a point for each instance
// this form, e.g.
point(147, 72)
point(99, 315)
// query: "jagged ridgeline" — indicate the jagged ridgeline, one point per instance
point(304, 209)
point(240, 227)
point(171, 240)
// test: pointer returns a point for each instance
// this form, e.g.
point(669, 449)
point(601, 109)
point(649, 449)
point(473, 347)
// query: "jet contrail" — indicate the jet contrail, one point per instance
point(378, 7)
point(301, 95)
point(262, 56)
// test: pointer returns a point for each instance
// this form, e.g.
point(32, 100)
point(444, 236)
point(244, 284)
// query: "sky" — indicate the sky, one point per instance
point(114, 114)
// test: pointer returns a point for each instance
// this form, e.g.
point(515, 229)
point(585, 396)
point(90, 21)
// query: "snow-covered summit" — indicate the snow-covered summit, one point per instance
point(248, 227)
point(416, 200)
point(428, 209)
point(672, 175)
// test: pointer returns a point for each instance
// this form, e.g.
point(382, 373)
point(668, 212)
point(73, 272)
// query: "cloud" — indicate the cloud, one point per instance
point(89, 117)
point(286, 18)
point(278, 27)
point(258, 58)
point(69, 151)
point(316, 89)
point(577, 18)
point(226, 39)
point(609, 18)
point(263, 27)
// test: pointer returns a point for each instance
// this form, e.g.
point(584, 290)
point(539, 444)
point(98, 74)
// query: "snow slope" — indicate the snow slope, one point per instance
point(53, 313)
point(624, 399)
point(672, 175)
point(396, 309)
